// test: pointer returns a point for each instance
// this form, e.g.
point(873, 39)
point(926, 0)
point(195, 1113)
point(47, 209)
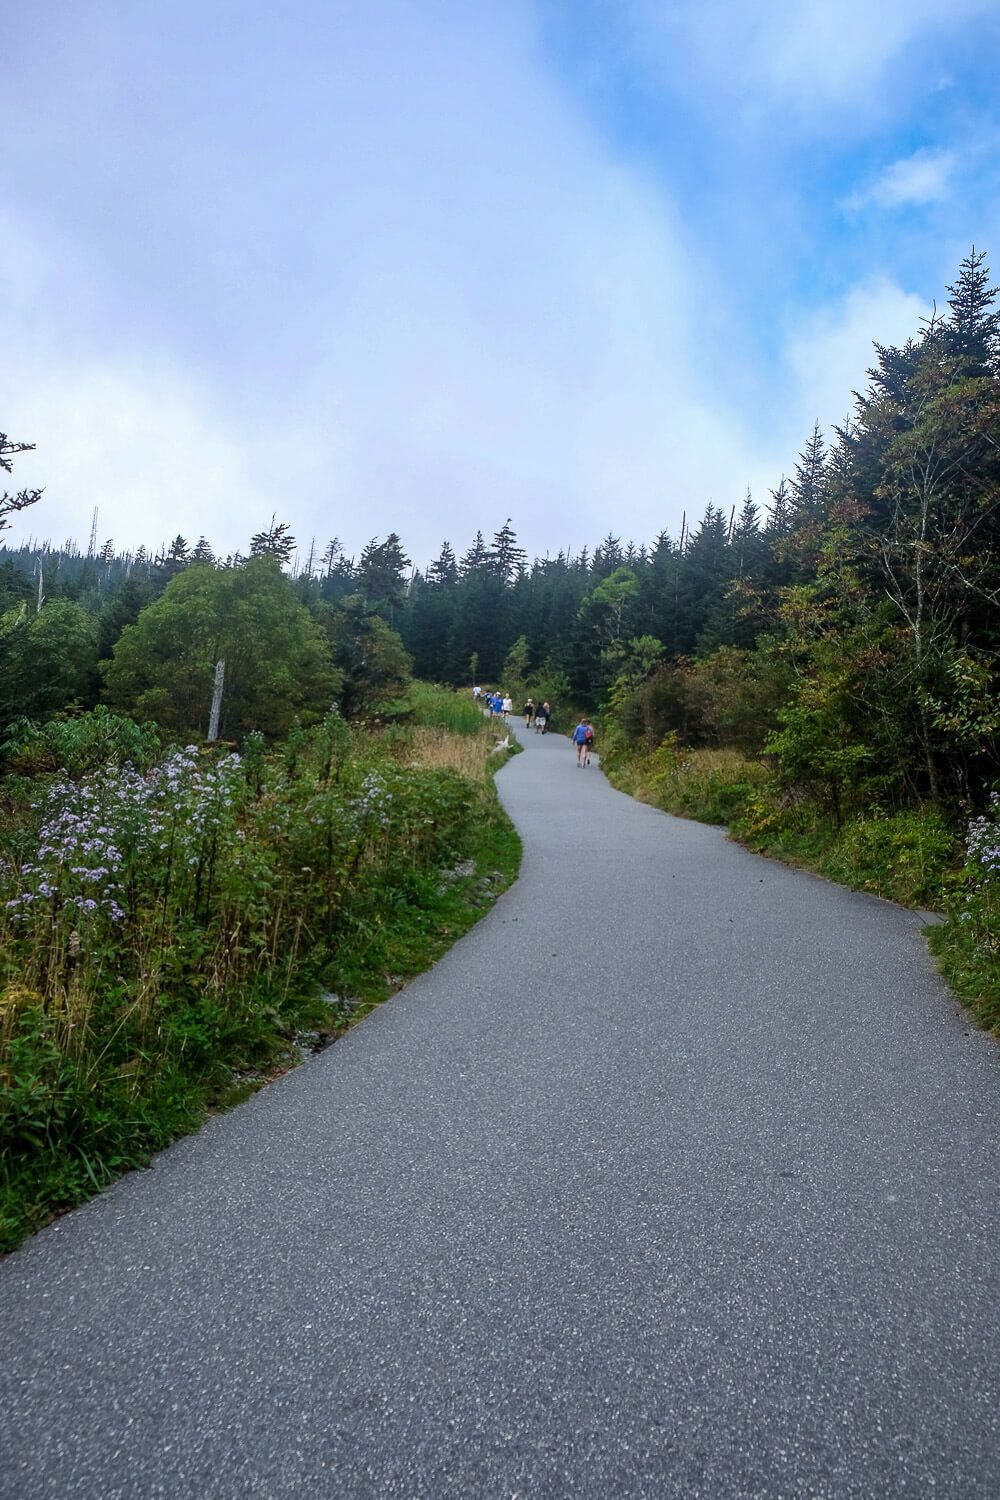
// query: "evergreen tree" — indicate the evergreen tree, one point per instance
point(780, 519)
point(505, 557)
point(477, 557)
point(11, 504)
point(807, 488)
point(444, 570)
point(607, 556)
point(380, 577)
point(331, 554)
point(972, 333)
point(277, 541)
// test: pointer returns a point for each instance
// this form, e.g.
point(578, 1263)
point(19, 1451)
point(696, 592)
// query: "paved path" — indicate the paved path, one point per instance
point(677, 1177)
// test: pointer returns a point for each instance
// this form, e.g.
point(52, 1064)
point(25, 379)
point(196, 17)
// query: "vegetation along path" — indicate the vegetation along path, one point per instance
point(676, 1177)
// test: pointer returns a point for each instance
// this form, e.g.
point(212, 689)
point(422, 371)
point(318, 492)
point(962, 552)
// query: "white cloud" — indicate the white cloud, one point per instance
point(446, 305)
point(827, 354)
point(912, 182)
point(138, 442)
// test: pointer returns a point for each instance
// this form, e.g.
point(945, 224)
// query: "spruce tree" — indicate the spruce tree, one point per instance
point(807, 488)
point(443, 571)
point(477, 557)
point(277, 542)
point(506, 557)
point(972, 332)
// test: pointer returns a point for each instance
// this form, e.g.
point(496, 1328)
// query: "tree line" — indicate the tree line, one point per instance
point(849, 628)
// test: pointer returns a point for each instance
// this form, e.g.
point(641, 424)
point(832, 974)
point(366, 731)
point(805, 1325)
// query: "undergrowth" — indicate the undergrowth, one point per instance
point(176, 928)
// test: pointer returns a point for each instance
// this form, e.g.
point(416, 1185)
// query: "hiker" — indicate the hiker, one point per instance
point(579, 739)
point(529, 713)
point(588, 741)
point(508, 707)
point(542, 718)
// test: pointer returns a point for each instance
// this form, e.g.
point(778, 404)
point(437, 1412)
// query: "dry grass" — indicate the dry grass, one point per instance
point(436, 749)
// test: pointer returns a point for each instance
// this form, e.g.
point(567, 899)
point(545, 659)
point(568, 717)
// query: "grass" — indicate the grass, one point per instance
point(434, 707)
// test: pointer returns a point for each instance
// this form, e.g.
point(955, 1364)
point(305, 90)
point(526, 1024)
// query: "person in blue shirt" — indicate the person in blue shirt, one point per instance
point(583, 739)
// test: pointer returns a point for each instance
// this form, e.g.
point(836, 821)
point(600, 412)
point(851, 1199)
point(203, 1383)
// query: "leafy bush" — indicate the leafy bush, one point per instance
point(80, 744)
point(906, 857)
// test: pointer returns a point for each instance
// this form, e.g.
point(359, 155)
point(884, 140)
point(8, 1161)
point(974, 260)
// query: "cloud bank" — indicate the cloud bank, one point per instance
point(388, 268)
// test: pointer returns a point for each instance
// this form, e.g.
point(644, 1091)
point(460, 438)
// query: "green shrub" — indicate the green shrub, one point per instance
point(79, 744)
point(906, 857)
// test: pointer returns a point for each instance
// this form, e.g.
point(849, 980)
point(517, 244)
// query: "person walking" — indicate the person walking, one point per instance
point(579, 739)
point(542, 718)
point(588, 741)
point(508, 707)
point(529, 713)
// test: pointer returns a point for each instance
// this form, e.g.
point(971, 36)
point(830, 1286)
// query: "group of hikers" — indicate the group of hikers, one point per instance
point(539, 715)
point(499, 705)
point(495, 705)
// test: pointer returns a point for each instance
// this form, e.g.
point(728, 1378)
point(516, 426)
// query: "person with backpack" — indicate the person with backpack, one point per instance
point(588, 741)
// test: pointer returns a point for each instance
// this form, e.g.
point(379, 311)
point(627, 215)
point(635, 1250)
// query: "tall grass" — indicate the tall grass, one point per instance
point(434, 707)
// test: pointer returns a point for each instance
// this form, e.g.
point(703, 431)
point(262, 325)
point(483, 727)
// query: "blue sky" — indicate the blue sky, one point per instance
point(590, 264)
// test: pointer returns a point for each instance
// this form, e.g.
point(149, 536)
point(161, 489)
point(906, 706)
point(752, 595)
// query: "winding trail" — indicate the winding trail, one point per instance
point(676, 1177)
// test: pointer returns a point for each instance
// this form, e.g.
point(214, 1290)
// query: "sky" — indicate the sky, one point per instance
point(424, 265)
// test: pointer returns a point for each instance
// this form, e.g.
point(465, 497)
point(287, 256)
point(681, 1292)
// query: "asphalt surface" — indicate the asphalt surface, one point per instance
point(677, 1177)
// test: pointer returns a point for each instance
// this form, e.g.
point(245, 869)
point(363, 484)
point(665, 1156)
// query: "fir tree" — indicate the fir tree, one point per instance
point(277, 542)
point(380, 574)
point(506, 558)
point(807, 488)
point(9, 504)
point(331, 555)
point(445, 569)
point(972, 333)
point(477, 557)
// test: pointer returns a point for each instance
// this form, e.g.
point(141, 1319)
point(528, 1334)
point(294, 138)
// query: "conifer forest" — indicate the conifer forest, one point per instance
point(817, 668)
